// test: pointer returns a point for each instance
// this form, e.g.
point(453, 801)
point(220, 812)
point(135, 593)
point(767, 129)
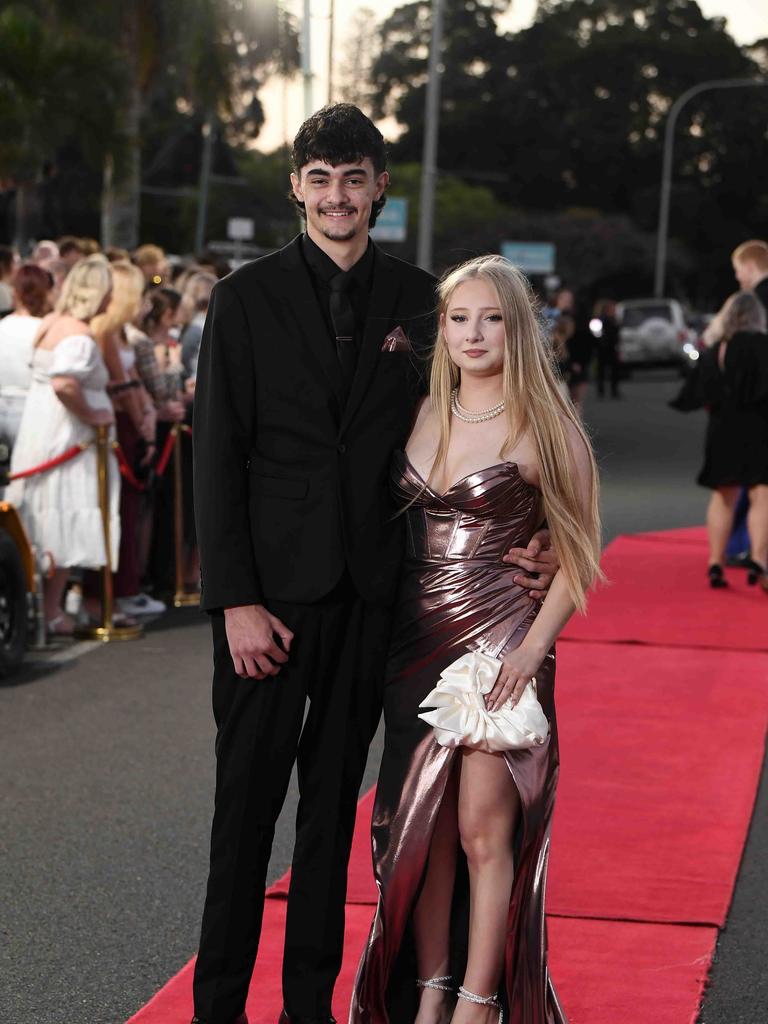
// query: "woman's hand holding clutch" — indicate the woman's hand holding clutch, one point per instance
point(461, 717)
point(517, 670)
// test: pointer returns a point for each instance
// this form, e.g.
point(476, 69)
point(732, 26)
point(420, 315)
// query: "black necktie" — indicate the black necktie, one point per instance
point(343, 319)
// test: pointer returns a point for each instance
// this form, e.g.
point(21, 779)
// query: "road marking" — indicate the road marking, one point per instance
point(39, 657)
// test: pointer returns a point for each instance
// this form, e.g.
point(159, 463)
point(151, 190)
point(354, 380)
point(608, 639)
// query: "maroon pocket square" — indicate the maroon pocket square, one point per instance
point(397, 341)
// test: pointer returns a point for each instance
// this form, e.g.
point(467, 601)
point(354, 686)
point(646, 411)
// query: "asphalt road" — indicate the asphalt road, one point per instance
point(106, 762)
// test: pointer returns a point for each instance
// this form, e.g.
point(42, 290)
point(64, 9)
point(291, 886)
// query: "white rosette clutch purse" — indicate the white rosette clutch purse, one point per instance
point(460, 718)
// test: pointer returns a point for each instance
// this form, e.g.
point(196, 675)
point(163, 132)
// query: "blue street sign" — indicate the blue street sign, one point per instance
point(530, 257)
point(392, 222)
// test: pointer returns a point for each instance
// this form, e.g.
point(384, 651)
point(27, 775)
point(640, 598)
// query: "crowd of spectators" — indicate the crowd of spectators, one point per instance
point(88, 338)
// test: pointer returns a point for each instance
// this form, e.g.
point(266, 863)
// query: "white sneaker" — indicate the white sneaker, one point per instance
point(141, 604)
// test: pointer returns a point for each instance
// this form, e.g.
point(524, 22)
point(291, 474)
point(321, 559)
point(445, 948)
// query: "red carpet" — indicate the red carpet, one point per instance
point(661, 747)
point(644, 732)
point(658, 594)
point(661, 751)
point(687, 535)
point(614, 972)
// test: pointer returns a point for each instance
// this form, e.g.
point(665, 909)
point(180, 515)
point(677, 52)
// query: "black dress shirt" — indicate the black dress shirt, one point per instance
point(322, 268)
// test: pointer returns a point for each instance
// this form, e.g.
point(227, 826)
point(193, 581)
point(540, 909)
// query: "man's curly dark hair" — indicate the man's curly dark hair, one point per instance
point(339, 134)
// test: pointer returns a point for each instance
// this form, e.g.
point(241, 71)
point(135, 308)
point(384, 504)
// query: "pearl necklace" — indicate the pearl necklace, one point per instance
point(459, 411)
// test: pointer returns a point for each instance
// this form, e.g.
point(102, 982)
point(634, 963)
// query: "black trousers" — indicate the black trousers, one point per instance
point(337, 661)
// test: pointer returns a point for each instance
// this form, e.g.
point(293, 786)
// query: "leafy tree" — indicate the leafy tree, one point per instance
point(570, 112)
point(55, 84)
point(205, 57)
point(104, 74)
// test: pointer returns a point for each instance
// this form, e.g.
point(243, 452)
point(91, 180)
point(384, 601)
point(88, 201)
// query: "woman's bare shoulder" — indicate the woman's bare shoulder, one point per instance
point(55, 329)
point(578, 442)
point(424, 406)
point(424, 416)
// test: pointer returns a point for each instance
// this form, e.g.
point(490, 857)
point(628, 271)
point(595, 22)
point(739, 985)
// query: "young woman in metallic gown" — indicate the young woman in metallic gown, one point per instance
point(461, 836)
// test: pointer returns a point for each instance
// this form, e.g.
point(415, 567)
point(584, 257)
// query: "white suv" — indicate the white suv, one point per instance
point(653, 332)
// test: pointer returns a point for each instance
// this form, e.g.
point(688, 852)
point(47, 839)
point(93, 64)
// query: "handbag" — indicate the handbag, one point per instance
point(461, 719)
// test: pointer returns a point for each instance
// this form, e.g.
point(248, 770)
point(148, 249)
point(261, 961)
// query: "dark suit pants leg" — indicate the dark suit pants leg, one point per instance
point(259, 723)
point(258, 727)
point(345, 705)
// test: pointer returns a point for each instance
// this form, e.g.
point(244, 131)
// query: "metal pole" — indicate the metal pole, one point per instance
point(107, 631)
point(431, 132)
point(666, 170)
point(331, 26)
point(306, 57)
point(181, 599)
point(205, 183)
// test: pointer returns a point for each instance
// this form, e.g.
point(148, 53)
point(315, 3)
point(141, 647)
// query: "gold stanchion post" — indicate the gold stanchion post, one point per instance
point(107, 631)
point(181, 599)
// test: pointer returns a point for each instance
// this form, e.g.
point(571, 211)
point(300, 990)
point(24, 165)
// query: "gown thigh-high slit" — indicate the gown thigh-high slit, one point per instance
point(456, 594)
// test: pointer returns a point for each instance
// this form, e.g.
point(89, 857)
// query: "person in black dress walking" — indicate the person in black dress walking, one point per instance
point(732, 382)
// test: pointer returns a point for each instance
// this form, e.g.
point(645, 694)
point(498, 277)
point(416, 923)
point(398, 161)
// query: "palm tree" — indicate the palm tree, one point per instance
point(210, 55)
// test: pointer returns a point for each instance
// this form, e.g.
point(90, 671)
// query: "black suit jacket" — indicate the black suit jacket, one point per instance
point(291, 482)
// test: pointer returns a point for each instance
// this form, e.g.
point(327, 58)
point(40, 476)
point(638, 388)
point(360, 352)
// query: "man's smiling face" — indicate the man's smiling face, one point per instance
point(338, 199)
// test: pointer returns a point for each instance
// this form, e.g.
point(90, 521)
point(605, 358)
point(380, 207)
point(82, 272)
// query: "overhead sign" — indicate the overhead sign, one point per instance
point(531, 257)
point(392, 222)
point(240, 229)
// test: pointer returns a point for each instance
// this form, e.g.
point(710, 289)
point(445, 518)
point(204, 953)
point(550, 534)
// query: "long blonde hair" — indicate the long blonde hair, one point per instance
point(534, 406)
point(84, 288)
point(125, 303)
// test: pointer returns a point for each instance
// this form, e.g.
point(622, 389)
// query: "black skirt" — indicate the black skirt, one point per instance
point(736, 448)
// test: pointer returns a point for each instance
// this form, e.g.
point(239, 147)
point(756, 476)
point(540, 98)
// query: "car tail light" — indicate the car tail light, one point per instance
point(682, 336)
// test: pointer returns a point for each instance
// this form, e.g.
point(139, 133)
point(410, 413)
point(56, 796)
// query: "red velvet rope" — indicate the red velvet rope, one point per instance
point(162, 462)
point(70, 453)
point(165, 455)
point(125, 470)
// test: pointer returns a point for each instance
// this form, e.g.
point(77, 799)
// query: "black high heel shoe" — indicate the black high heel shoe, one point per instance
point(716, 578)
point(755, 572)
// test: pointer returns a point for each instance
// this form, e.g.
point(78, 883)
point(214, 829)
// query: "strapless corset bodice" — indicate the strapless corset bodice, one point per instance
point(479, 518)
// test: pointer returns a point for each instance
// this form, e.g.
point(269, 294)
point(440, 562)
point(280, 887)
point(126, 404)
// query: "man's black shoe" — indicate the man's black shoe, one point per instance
point(285, 1019)
point(242, 1019)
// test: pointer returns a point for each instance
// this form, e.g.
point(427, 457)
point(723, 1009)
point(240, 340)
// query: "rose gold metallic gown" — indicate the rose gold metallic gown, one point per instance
point(456, 594)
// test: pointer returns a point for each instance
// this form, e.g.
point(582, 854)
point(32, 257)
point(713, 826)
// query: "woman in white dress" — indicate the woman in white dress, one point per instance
point(31, 294)
point(67, 400)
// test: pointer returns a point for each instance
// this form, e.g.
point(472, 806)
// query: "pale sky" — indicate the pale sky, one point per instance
point(283, 103)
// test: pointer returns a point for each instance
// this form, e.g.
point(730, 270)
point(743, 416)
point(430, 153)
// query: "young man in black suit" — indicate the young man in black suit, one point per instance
point(309, 373)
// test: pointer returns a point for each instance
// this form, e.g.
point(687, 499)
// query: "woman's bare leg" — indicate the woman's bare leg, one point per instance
point(53, 591)
point(757, 524)
point(432, 913)
point(489, 807)
point(720, 512)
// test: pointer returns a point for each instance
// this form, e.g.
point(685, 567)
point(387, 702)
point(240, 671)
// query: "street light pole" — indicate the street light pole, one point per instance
point(666, 170)
point(331, 42)
point(431, 132)
point(204, 182)
point(306, 57)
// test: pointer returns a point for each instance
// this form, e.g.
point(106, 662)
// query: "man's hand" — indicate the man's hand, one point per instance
point(251, 633)
point(539, 560)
